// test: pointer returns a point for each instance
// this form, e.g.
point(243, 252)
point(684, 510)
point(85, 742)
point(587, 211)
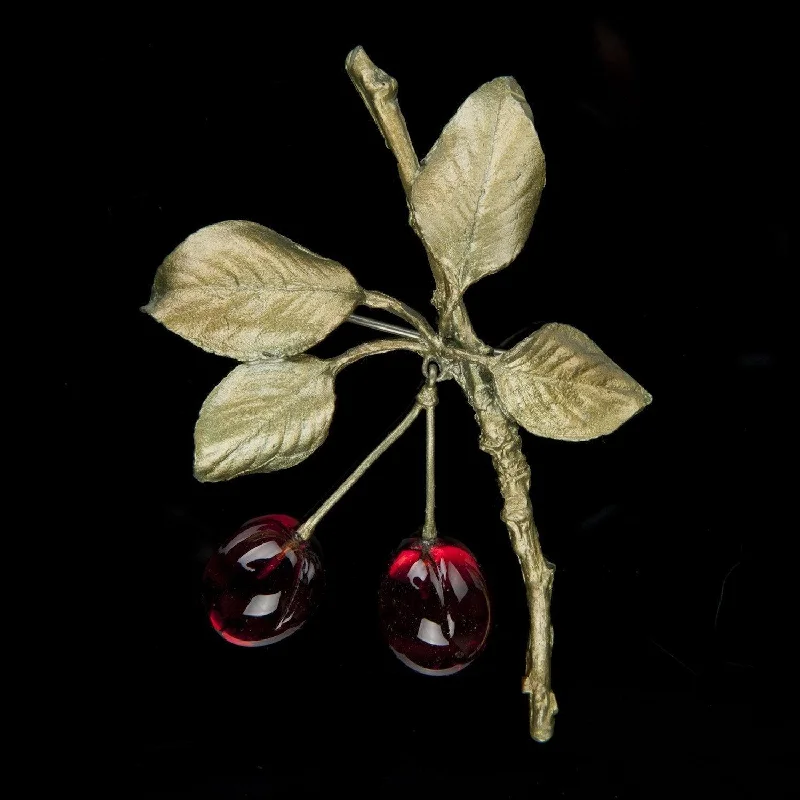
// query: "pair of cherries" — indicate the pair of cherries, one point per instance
point(264, 584)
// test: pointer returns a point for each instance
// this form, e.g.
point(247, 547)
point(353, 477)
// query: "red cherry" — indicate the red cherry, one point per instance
point(434, 607)
point(263, 584)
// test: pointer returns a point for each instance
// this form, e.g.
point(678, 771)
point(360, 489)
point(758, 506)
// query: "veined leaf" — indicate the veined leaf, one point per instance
point(264, 416)
point(476, 193)
point(239, 289)
point(558, 383)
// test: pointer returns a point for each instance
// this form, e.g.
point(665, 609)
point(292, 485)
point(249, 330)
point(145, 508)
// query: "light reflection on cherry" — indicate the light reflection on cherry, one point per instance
point(263, 584)
point(434, 606)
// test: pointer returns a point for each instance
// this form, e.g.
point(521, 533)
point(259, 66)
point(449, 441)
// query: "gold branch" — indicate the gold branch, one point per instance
point(379, 93)
point(499, 434)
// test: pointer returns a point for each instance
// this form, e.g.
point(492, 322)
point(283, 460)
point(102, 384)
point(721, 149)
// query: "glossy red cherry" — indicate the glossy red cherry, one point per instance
point(434, 606)
point(262, 585)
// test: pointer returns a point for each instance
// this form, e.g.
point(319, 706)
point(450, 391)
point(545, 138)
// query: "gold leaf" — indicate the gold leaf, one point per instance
point(264, 416)
point(477, 191)
point(558, 383)
point(239, 289)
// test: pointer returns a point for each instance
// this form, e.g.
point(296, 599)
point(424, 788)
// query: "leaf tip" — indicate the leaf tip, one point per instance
point(200, 472)
point(509, 82)
point(205, 472)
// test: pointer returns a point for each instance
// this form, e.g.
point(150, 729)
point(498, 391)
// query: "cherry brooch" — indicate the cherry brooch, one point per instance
point(241, 290)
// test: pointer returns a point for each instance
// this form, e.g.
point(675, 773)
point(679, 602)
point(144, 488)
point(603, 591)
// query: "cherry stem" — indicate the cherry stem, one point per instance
point(429, 529)
point(306, 530)
point(388, 303)
point(376, 348)
point(483, 357)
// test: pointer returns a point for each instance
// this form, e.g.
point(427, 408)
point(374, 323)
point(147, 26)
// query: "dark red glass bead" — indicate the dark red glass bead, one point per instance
point(434, 606)
point(262, 585)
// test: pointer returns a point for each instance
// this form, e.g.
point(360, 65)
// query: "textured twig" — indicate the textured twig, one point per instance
point(379, 93)
point(500, 439)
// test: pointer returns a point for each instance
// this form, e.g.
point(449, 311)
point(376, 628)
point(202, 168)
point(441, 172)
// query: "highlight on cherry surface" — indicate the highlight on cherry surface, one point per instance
point(263, 584)
point(434, 606)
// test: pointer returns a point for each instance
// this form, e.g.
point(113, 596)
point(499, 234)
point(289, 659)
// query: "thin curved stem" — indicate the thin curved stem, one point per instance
point(448, 351)
point(376, 348)
point(400, 309)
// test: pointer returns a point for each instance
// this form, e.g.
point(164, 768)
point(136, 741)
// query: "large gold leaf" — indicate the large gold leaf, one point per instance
point(241, 290)
point(558, 383)
point(264, 416)
point(477, 191)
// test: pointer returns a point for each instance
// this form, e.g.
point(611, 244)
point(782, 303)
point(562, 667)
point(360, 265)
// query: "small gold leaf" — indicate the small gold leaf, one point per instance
point(558, 383)
point(477, 191)
point(239, 289)
point(264, 416)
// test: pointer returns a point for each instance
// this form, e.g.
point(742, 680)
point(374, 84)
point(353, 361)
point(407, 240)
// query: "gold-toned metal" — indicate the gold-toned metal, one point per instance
point(379, 93)
point(477, 191)
point(374, 348)
point(447, 356)
point(242, 290)
point(408, 333)
point(264, 416)
point(306, 530)
point(429, 528)
point(500, 439)
point(414, 318)
point(425, 399)
point(239, 289)
point(472, 204)
point(558, 383)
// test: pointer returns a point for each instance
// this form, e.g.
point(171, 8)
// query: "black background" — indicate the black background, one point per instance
point(662, 234)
